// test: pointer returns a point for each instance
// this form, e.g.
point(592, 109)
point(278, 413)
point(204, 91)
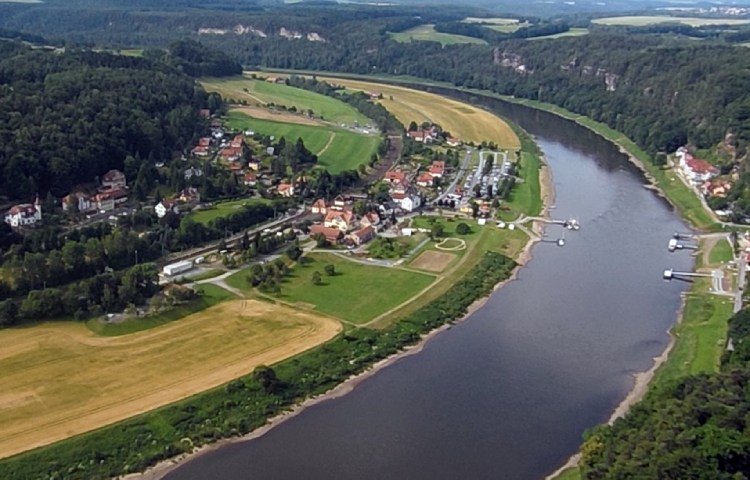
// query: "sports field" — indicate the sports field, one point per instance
point(427, 33)
point(643, 20)
point(337, 148)
point(260, 92)
point(60, 379)
point(433, 261)
point(469, 123)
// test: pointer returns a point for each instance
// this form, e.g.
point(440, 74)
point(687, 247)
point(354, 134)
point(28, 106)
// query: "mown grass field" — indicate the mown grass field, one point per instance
point(260, 92)
point(357, 293)
point(337, 149)
point(525, 198)
point(499, 24)
point(60, 379)
point(721, 253)
point(643, 20)
point(427, 33)
point(469, 123)
point(223, 209)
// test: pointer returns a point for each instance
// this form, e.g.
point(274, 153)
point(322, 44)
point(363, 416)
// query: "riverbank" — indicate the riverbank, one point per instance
point(163, 468)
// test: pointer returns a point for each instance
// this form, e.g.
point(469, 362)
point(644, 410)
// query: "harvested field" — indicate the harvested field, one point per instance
point(60, 379)
point(433, 261)
point(277, 116)
point(469, 123)
point(643, 20)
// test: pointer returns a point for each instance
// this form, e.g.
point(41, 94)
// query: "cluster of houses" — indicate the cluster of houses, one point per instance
point(24, 214)
point(186, 199)
point(432, 134)
point(701, 174)
point(341, 225)
point(111, 193)
point(401, 185)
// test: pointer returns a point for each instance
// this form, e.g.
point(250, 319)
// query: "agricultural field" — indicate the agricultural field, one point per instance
point(357, 293)
point(427, 33)
point(469, 123)
point(504, 25)
point(433, 261)
point(641, 21)
point(261, 93)
point(223, 209)
point(60, 379)
point(337, 149)
point(573, 32)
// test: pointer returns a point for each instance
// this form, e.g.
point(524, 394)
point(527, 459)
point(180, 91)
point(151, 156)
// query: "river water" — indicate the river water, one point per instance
point(508, 393)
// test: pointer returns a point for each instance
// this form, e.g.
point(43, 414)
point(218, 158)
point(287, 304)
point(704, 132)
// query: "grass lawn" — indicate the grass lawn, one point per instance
point(222, 209)
point(643, 20)
point(337, 149)
point(700, 336)
point(467, 122)
point(427, 33)
point(573, 32)
point(357, 293)
point(525, 198)
point(721, 253)
point(262, 93)
point(211, 295)
point(60, 379)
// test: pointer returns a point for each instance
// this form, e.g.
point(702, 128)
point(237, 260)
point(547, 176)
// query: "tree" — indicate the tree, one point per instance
point(438, 230)
point(330, 270)
point(474, 209)
point(463, 229)
point(316, 278)
point(294, 252)
point(320, 240)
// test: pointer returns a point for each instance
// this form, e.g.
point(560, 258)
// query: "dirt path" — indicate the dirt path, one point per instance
point(325, 147)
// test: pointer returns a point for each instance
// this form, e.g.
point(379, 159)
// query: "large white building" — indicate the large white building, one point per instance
point(24, 215)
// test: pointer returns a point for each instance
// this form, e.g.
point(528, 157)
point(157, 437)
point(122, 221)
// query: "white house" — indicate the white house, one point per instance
point(165, 206)
point(411, 202)
point(25, 214)
point(78, 201)
point(697, 171)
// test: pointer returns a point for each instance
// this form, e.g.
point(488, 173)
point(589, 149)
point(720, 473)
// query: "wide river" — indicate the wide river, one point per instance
point(508, 393)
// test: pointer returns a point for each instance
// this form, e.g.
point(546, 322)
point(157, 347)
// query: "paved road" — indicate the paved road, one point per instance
point(459, 175)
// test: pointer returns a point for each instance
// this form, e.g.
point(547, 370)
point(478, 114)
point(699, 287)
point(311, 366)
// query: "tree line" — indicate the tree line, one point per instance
point(696, 427)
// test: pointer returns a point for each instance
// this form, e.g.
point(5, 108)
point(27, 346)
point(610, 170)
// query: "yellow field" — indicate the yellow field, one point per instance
point(469, 123)
point(59, 380)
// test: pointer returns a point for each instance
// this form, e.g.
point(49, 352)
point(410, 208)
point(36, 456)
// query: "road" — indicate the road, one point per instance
point(459, 175)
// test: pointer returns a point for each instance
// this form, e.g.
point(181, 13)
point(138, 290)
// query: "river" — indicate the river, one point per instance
point(508, 393)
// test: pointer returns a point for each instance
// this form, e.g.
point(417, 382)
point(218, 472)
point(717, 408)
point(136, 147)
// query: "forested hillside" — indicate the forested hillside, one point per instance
point(698, 428)
point(66, 118)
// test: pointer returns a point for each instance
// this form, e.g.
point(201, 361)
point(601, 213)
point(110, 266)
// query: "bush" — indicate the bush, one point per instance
point(463, 229)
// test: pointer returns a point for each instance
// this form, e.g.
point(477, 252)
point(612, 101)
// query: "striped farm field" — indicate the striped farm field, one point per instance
point(61, 379)
point(337, 149)
point(467, 122)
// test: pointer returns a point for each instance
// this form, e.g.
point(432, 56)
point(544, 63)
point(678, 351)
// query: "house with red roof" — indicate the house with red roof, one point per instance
point(332, 235)
point(24, 214)
point(361, 236)
point(319, 206)
point(453, 142)
point(437, 169)
point(716, 188)
point(166, 206)
point(251, 179)
point(285, 189)
point(394, 176)
point(341, 219)
point(425, 179)
point(695, 170)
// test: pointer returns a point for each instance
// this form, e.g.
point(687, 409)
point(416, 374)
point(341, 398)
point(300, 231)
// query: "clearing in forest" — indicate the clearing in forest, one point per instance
point(60, 379)
point(338, 149)
point(465, 121)
point(261, 93)
point(427, 33)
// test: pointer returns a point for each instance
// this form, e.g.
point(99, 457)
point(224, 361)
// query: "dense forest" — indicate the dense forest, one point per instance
point(697, 428)
point(67, 118)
